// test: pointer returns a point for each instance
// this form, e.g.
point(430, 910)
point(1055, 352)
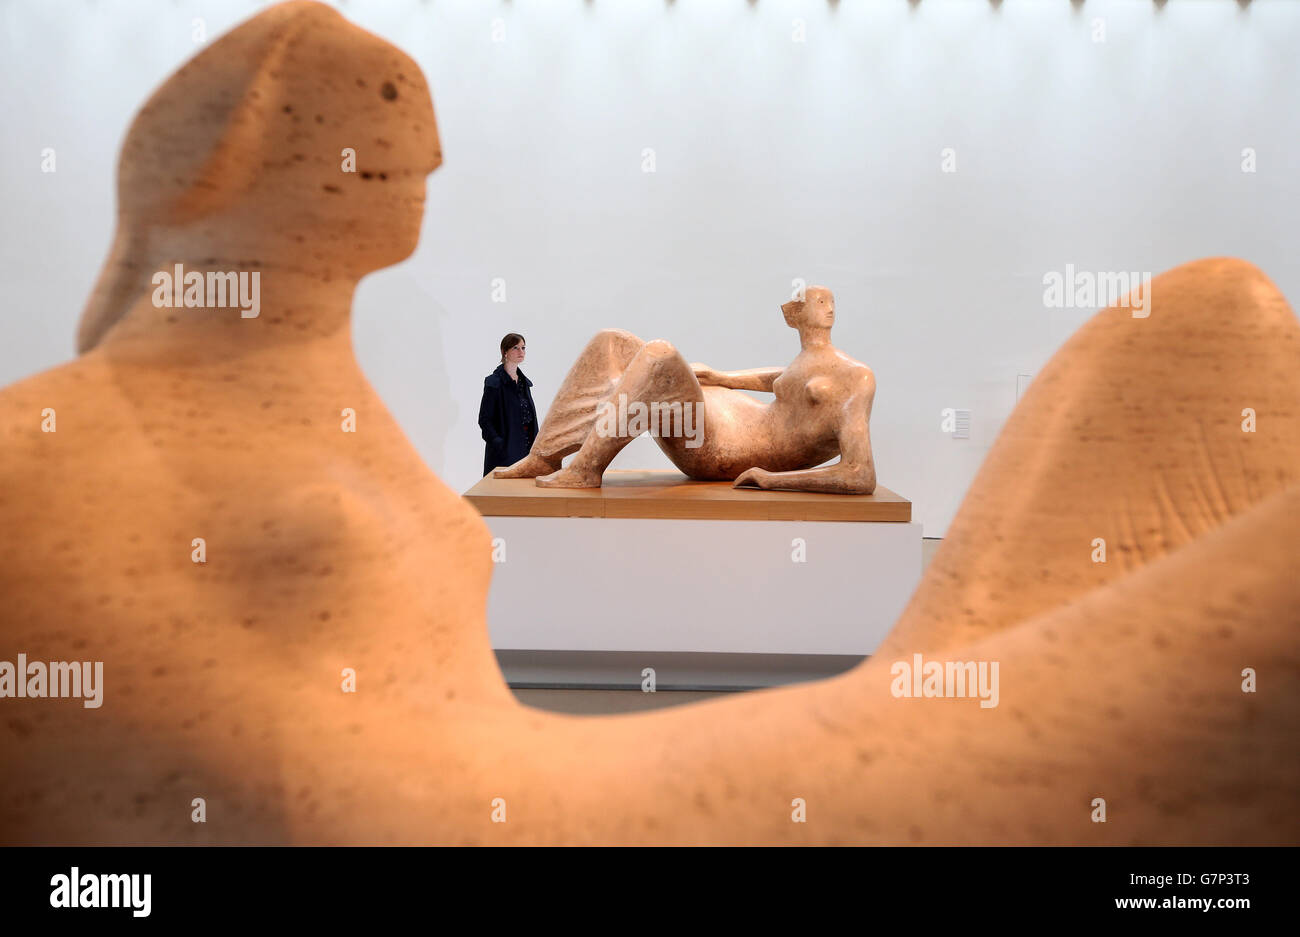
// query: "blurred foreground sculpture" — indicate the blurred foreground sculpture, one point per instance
point(203, 522)
point(704, 423)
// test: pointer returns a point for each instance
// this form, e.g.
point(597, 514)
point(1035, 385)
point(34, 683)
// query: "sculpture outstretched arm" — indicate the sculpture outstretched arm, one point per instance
point(752, 379)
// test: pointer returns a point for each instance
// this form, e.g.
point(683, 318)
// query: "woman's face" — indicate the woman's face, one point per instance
point(516, 354)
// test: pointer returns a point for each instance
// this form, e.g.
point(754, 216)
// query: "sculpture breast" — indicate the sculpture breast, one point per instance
point(819, 389)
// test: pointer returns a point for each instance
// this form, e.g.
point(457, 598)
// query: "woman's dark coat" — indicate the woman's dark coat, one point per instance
point(500, 417)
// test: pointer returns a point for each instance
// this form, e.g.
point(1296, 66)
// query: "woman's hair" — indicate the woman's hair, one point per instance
point(510, 341)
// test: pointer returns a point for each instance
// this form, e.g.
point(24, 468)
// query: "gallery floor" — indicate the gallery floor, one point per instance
point(605, 702)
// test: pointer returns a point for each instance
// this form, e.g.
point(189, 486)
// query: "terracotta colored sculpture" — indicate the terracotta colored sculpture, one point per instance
point(330, 551)
point(822, 408)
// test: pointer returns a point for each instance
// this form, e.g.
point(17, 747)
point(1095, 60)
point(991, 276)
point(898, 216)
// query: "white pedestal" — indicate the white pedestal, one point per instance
point(589, 601)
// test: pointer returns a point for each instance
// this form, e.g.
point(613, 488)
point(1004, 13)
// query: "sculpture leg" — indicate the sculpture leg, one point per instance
point(658, 374)
point(1154, 485)
point(573, 412)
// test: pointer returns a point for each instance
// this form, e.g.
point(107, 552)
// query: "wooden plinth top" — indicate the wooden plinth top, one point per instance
point(669, 494)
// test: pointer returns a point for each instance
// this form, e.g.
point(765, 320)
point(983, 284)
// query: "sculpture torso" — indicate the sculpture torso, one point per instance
point(798, 428)
point(322, 553)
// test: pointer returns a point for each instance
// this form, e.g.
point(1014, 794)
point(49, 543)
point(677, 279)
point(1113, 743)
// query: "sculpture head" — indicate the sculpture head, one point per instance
point(296, 141)
point(816, 310)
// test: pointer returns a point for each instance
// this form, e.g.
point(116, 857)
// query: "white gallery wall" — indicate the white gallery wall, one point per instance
point(929, 161)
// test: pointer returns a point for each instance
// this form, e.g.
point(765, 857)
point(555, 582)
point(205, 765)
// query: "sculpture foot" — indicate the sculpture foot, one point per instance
point(569, 478)
point(530, 466)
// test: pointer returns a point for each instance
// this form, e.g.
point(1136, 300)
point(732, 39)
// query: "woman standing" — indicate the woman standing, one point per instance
point(507, 415)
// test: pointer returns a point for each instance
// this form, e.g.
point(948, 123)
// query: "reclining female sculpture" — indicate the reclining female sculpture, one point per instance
point(337, 560)
point(822, 408)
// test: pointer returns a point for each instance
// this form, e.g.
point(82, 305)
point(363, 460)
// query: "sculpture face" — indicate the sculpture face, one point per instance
point(816, 310)
point(296, 141)
point(819, 308)
point(346, 140)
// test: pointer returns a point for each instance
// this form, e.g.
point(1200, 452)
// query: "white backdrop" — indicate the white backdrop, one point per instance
point(775, 159)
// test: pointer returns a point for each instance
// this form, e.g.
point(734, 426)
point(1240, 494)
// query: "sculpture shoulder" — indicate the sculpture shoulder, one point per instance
point(859, 378)
point(33, 410)
point(829, 378)
point(852, 366)
point(45, 420)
